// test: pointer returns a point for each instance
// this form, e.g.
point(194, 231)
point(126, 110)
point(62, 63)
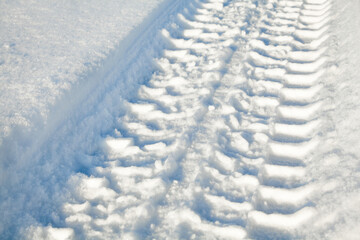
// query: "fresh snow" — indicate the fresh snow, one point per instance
point(179, 119)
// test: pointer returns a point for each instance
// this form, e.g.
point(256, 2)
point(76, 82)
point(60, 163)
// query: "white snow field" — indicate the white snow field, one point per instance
point(180, 119)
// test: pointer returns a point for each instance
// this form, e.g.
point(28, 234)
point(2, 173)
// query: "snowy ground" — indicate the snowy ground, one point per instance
point(180, 119)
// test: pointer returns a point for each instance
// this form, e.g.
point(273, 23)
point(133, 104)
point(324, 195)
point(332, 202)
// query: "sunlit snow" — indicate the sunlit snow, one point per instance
point(179, 119)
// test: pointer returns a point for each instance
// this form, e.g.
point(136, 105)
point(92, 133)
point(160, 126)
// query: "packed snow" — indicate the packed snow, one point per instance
point(180, 119)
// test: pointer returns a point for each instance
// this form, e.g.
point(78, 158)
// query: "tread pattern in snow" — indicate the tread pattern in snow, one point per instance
point(291, 64)
point(216, 143)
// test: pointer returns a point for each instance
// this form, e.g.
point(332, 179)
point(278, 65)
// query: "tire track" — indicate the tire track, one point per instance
point(215, 144)
point(283, 200)
point(145, 152)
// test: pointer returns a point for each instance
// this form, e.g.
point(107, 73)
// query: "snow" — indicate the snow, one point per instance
point(55, 59)
point(47, 47)
point(172, 119)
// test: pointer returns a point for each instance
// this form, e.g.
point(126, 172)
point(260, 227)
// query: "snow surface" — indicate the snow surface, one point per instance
point(171, 119)
point(47, 47)
point(57, 58)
